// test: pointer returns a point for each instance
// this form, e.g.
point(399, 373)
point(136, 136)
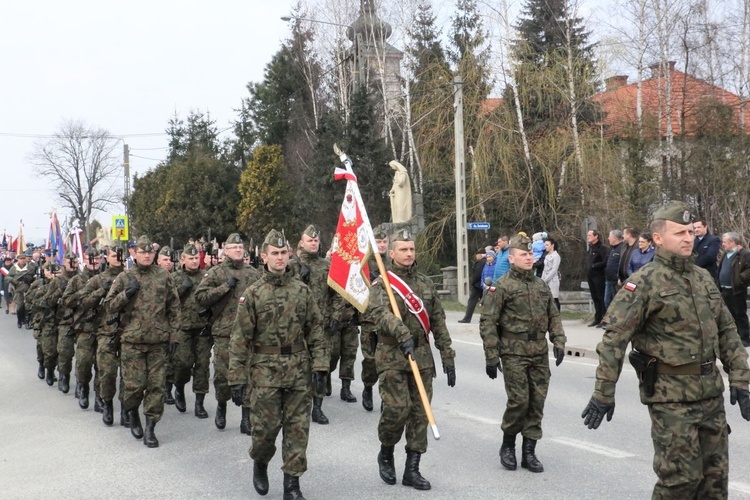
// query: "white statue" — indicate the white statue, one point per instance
point(400, 194)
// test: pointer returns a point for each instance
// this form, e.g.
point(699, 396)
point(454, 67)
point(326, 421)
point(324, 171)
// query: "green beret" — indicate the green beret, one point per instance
point(69, 255)
point(675, 211)
point(233, 239)
point(165, 250)
point(92, 252)
point(190, 250)
point(275, 239)
point(144, 243)
point(380, 234)
point(521, 242)
point(311, 231)
point(402, 235)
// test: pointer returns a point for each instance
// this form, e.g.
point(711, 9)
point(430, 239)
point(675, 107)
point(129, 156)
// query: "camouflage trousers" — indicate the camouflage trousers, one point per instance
point(49, 345)
point(221, 369)
point(65, 349)
point(144, 377)
point(39, 348)
point(193, 356)
point(526, 383)
point(369, 370)
point(691, 457)
point(85, 357)
point(275, 409)
point(344, 345)
point(402, 409)
point(107, 363)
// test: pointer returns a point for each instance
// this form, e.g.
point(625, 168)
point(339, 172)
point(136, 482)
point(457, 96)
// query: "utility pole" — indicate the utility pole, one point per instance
point(462, 249)
point(126, 168)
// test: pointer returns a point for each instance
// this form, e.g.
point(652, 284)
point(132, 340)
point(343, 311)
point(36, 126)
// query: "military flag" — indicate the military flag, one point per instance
point(75, 243)
point(55, 240)
point(19, 244)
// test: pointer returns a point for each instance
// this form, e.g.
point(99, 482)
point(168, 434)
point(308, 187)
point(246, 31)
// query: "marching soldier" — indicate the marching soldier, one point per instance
point(194, 350)
point(164, 260)
point(518, 312)
point(422, 313)
point(674, 316)
point(63, 342)
point(105, 327)
point(21, 276)
point(37, 315)
point(220, 290)
point(146, 299)
point(344, 338)
point(48, 328)
point(277, 334)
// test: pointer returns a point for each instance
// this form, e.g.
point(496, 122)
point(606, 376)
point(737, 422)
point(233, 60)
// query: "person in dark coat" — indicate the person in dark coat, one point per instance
point(596, 260)
point(734, 278)
point(707, 247)
point(475, 285)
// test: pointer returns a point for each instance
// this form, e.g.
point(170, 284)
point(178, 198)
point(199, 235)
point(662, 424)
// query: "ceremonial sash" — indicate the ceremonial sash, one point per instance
point(412, 301)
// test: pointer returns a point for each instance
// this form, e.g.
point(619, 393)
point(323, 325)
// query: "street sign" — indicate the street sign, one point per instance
point(474, 226)
point(120, 227)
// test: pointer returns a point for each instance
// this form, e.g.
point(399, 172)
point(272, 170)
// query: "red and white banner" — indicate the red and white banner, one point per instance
point(351, 248)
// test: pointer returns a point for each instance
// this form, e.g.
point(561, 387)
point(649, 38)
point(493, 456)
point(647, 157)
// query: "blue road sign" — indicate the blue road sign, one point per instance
point(478, 226)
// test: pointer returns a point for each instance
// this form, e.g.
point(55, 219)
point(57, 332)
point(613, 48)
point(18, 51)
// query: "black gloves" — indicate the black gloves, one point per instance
point(132, 288)
point(451, 372)
point(595, 411)
point(408, 348)
point(172, 348)
point(736, 394)
point(320, 382)
point(186, 285)
point(107, 285)
point(238, 394)
point(492, 368)
point(333, 326)
point(559, 355)
point(232, 282)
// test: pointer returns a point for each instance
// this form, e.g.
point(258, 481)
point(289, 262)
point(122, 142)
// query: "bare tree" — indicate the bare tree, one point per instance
point(79, 161)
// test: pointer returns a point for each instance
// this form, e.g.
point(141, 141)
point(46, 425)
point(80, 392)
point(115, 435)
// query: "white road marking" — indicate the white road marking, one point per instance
point(594, 448)
point(740, 487)
point(482, 420)
point(467, 342)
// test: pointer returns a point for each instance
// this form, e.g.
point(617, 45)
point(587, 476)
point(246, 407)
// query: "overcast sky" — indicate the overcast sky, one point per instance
point(126, 67)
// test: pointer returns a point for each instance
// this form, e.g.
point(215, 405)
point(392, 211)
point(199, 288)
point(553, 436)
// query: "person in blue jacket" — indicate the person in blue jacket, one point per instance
point(643, 255)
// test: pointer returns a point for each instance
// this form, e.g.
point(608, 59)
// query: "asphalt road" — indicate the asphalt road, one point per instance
point(49, 448)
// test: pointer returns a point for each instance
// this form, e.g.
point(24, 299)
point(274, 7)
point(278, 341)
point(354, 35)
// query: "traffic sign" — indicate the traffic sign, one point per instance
point(120, 227)
point(473, 226)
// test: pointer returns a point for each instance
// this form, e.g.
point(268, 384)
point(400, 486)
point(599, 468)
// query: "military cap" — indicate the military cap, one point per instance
point(275, 239)
point(521, 242)
point(311, 231)
point(92, 251)
point(69, 255)
point(402, 235)
point(190, 250)
point(233, 239)
point(165, 250)
point(144, 243)
point(131, 244)
point(675, 211)
point(380, 233)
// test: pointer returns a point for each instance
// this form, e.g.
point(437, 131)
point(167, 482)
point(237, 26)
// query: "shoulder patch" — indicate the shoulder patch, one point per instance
point(492, 289)
point(630, 286)
point(242, 300)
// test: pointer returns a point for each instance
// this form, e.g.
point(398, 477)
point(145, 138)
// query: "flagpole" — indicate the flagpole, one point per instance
point(387, 285)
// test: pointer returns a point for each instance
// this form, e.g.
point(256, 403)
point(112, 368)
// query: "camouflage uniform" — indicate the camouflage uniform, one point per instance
point(277, 342)
point(85, 349)
point(21, 279)
point(368, 338)
point(148, 323)
point(37, 314)
point(214, 292)
point(518, 312)
point(63, 341)
point(672, 310)
point(344, 342)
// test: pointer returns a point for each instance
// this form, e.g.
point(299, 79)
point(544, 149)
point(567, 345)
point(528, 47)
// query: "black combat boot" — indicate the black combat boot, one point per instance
point(386, 464)
point(329, 389)
point(317, 413)
point(508, 452)
point(412, 477)
point(77, 391)
point(346, 392)
point(98, 402)
point(83, 395)
point(221, 415)
point(136, 429)
point(200, 411)
point(367, 398)
point(169, 399)
point(260, 477)
point(291, 488)
point(245, 422)
point(528, 456)
point(50, 377)
point(40, 372)
point(108, 411)
point(124, 418)
point(149, 438)
point(179, 398)
point(64, 384)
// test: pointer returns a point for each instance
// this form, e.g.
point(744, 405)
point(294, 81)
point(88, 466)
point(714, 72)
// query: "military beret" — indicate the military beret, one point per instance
point(380, 233)
point(69, 255)
point(521, 242)
point(144, 243)
point(92, 251)
point(675, 211)
point(402, 235)
point(190, 250)
point(275, 239)
point(233, 239)
point(23, 255)
point(311, 231)
point(165, 250)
